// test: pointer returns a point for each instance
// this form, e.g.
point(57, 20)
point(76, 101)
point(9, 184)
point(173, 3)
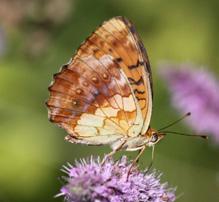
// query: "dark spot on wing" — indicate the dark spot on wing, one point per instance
point(139, 63)
point(132, 81)
point(118, 60)
point(139, 92)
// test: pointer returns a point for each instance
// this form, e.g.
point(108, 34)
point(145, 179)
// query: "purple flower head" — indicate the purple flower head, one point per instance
point(195, 91)
point(89, 181)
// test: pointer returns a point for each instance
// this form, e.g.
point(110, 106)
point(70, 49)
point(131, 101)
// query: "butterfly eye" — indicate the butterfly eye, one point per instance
point(154, 137)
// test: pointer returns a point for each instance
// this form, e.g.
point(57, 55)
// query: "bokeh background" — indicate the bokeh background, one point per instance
point(38, 36)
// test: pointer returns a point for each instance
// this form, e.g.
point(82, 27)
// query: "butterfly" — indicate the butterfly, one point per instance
point(103, 96)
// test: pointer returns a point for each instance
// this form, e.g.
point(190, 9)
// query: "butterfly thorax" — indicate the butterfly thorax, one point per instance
point(150, 138)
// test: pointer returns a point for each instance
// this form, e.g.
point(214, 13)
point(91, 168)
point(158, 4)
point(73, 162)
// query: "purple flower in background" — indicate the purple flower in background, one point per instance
point(195, 91)
point(89, 181)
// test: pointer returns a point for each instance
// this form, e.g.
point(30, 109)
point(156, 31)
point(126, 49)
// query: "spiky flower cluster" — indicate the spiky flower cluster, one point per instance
point(89, 181)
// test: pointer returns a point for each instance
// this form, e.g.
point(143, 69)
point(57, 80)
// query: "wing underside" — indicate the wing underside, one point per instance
point(104, 93)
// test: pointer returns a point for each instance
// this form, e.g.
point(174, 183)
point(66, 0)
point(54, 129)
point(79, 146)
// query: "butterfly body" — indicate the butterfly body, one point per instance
point(104, 94)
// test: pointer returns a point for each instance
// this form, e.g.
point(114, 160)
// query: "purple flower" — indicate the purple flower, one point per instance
point(195, 91)
point(89, 181)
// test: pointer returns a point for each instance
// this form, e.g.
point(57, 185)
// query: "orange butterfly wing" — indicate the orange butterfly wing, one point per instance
point(129, 51)
point(103, 94)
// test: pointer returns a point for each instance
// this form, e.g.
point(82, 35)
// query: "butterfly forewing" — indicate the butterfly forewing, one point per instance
point(104, 93)
point(130, 53)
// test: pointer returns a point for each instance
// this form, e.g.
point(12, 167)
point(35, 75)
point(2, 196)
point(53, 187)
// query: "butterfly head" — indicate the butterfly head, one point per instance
point(154, 136)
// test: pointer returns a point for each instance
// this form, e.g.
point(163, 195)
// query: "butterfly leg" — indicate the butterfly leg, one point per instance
point(138, 158)
point(113, 152)
point(152, 160)
point(135, 160)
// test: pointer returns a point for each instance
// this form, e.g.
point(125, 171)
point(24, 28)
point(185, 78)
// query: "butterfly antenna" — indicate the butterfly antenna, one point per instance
point(185, 134)
point(173, 123)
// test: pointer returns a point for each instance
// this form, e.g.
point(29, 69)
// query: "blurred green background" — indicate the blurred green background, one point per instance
point(37, 37)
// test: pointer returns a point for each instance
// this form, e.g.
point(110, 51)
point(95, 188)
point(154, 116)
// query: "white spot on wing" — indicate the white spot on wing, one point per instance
point(91, 120)
point(107, 111)
point(111, 112)
point(118, 99)
point(129, 104)
point(85, 130)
